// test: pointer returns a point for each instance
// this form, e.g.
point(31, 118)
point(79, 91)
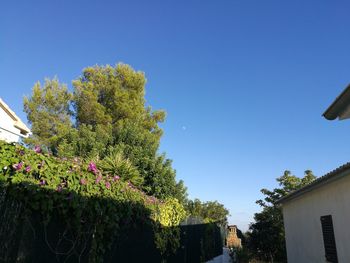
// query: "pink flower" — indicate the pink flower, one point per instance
point(108, 185)
point(18, 166)
point(152, 199)
point(116, 178)
point(37, 149)
point(42, 182)
point(59, 188)
point(92, 168)
point(27, 169)
point(83, 181)
point(98, 179)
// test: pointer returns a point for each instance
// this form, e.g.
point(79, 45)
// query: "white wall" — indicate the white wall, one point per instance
point(8, 132)
point(303, 225)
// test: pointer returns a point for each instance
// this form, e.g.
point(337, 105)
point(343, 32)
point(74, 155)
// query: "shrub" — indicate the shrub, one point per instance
point(93, 204)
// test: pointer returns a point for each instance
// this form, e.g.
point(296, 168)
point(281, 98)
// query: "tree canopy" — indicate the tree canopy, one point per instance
point(105, 117)
point(266, 237)
point(211, 211)
point(48, 112)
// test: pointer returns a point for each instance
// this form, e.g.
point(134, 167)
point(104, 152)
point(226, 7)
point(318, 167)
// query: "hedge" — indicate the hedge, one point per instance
point(68, 210)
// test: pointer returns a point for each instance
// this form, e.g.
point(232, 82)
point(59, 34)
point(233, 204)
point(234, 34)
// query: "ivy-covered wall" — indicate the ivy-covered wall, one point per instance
point(68, 210)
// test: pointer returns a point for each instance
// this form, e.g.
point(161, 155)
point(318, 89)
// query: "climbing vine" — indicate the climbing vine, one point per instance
point(93, 205)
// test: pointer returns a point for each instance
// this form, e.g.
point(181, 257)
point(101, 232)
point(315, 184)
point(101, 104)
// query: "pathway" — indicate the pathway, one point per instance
point(224, 258)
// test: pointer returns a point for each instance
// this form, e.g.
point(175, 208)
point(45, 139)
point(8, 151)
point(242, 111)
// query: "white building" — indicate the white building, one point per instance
point(317, 216)
point(12, 129)
point(316, 220)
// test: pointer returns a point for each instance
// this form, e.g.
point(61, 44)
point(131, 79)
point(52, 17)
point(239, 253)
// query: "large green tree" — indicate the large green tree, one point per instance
point(266, 238)
point(48, 112)
point(110, 120)
point(114, 96)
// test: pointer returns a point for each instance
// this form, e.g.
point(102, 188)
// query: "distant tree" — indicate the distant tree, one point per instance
point(195, 208)
point(180, 192)
point(266, 238)
point(211, 211)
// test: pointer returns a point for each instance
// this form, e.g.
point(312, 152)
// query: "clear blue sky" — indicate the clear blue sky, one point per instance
point(244, 82)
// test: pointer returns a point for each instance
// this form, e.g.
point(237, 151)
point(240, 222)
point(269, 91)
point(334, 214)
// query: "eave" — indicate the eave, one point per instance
point(332, 176)
point(340, 108)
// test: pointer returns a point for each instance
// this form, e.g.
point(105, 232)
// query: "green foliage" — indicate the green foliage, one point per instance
point(48, 112)
point(167, 240)
point(114, 164)
point(108, 94)
point(88, 200)
point(112, 125)
point(110, 111)
point(266, 235)
point(243, 255)
point(180, 192)
point(170, 213)
point(160, 178)
point(211, 211)
point(211, 235)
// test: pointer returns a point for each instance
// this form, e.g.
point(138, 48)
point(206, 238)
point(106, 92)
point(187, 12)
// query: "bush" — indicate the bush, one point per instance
point(92, 205)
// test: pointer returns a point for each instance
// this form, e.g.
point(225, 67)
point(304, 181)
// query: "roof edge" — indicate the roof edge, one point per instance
point(332, 176)
point(338, 106)
point(18, 122)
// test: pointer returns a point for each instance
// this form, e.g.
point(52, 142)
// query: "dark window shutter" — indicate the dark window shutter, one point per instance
point(329, 239)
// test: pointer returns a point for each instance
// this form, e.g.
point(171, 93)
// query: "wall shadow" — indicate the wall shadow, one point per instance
point(25, 238)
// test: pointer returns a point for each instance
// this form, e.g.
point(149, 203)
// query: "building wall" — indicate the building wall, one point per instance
point(302, 222)
point(8, 132)
point(232, 239)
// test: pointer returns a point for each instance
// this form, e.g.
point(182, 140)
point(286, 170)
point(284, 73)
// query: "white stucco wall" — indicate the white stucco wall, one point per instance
point(303, 225)
point(8, 132)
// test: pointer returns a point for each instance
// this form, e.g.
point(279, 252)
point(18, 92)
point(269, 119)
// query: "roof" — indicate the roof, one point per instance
point(336, 174)
point(340, 108)
point(17, 121)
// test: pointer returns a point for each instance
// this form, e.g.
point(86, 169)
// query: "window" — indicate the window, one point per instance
point(329, 239)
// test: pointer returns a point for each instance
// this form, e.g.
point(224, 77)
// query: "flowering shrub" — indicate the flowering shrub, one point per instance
point(90, 201)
